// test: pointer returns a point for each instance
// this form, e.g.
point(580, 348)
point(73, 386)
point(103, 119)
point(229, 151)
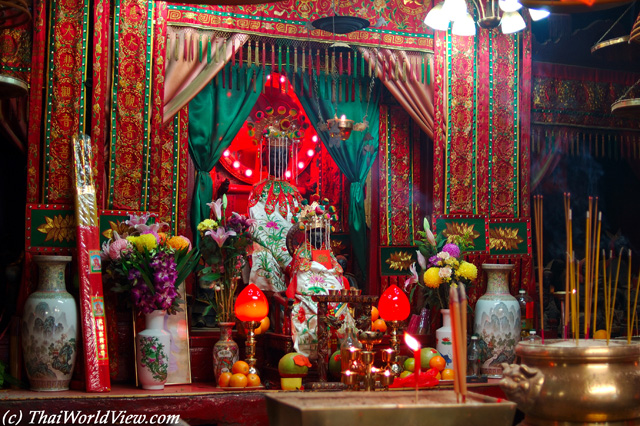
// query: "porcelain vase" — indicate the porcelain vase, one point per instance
point(152, 352)
point(443, 338)
point(225, 351)
point(50, 328)
point(497, 320)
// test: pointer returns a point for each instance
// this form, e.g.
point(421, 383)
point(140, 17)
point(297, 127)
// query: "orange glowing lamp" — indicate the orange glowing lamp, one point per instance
point(251, 304)
point(394, 304)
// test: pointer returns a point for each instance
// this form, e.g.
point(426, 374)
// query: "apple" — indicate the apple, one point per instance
point(425, 356)
point(405, 373)
point(410, 364)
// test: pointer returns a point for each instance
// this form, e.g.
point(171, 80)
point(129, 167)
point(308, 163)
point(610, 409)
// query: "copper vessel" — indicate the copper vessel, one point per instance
point(564, 383)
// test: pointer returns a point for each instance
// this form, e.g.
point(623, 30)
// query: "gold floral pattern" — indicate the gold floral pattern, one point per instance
point(59, 228)
point(504, 238)
point(455, 229)
point(400, 261)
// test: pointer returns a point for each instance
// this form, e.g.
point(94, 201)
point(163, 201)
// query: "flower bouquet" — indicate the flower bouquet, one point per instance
point(225, 244)
point(441, 265)
point(148, 263)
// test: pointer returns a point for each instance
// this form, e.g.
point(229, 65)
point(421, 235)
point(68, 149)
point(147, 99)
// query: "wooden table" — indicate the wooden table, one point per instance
point(197, 404)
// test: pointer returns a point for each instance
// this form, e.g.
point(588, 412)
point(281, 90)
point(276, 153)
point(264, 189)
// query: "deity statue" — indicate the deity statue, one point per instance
point(315, 271)
point(273, 203)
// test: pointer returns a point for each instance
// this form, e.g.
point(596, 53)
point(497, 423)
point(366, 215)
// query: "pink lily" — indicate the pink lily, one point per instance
point(216, 207)
point(220, 235)
point(421, 260)
point(135, 220)
point(413, 279)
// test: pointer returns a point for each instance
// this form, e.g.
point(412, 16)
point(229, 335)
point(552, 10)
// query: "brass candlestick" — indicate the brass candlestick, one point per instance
point(250, 348)
point(394, 326)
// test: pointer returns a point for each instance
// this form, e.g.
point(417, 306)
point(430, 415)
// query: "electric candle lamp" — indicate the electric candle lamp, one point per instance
point(394, 307)
point(251, 307)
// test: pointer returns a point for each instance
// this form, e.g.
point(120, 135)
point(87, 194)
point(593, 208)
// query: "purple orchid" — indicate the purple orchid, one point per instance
point(220, 235)
point(216, 207)
point(433, 261)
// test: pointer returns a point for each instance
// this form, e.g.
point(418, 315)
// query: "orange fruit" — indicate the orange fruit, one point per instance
point(439, 376)
point(438, 363)
point(238, 381)
point(240, 367)
point(253, 380)
point(447, 374)
point(223, 380)
point(379, 325)
point(264, 325)
point(374, 313)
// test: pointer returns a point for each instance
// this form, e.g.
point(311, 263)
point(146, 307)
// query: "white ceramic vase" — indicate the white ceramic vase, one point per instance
point(50, 328)
point(497, 320)
point(443, 339)
point(152, 352)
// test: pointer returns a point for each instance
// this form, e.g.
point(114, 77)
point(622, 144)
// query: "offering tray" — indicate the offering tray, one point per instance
point(387, 408)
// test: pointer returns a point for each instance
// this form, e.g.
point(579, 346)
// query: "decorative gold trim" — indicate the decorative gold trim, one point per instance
point(626, 107)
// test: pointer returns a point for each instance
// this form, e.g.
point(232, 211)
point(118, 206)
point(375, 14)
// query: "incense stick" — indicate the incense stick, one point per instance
point(454, 305)
point(635, 305)
point(629, 297)
point(597, 249)
point(538, 217)
point(463, 366)
point(615, 291)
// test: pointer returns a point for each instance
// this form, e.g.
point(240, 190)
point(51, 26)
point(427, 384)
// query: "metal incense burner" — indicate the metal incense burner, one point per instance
point(564, 383)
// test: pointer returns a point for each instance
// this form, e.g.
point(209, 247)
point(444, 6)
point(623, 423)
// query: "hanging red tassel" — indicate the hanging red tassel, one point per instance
point(233, 53)
point(349, 65)
point(273, 62)
point(340, 65)
point(317, 62)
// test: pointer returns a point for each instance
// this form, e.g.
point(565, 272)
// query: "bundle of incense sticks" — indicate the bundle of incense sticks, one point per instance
point(94, 322)
point(569, 263)
point(592, 258)
point(537, 211)
point(458, 314)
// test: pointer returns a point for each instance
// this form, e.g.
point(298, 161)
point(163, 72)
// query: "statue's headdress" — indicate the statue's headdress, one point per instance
point(316, 214)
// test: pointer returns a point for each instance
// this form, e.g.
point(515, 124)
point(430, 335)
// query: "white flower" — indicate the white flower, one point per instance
point(444, 255)
point(445, 272)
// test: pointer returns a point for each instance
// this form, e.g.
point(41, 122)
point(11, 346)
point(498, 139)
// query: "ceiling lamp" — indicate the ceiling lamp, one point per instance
point(490, 14)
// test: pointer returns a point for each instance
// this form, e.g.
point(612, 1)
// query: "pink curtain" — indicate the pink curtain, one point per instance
point(403, 78)
point(190, 65)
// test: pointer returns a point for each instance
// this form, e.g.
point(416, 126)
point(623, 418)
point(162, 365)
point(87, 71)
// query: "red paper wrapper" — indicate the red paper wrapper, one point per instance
point(427, 379)
point(92, 313)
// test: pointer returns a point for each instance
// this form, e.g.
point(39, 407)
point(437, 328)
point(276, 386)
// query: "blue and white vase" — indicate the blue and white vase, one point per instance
point(50, 328)
point(497, 320)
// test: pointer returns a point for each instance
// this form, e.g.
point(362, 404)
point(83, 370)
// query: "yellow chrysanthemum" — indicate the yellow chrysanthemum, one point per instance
point(432, 278)
point(207, 224)
point(143, 241)
point(467, 270)
point(179, 242)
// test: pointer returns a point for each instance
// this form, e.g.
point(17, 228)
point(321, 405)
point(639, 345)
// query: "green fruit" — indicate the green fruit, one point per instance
point(425, 356)
point(410, 364)
point(335, 364)
point(405, 373)
point(287, 365)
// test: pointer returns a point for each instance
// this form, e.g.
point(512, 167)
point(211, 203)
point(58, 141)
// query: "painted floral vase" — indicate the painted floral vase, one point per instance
point(50, 328)
point(497, 320)
point(443, 338)
point(152, 352)
point(225, 351)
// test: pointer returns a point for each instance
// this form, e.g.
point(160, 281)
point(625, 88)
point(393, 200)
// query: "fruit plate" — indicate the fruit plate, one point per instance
point(246, 388)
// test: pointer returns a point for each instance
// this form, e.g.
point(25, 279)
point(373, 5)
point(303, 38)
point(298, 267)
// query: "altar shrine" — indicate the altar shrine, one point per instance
point(238, 200)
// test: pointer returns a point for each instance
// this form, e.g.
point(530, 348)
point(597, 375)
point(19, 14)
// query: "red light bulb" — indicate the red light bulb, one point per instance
point(394, 304)
point(251, 304)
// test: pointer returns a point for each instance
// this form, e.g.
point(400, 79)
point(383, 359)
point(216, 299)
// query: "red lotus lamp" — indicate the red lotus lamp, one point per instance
point(251, 307)
point(394, 308)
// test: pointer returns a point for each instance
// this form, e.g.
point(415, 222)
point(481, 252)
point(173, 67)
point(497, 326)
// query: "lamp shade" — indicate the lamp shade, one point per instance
point(394, 304)
point(251, 304)
point(464, 26)
point(437, 19)
point(512, 22)
point(538, 14)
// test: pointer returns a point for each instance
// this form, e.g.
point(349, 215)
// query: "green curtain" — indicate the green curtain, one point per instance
point(354, 156)
point(216, 115)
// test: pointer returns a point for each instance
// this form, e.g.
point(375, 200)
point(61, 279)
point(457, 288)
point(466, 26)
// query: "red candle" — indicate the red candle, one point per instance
point(414, 345)
point(416, 356)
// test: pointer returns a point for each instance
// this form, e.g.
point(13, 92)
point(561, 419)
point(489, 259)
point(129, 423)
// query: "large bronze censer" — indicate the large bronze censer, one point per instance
point(568, 383)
